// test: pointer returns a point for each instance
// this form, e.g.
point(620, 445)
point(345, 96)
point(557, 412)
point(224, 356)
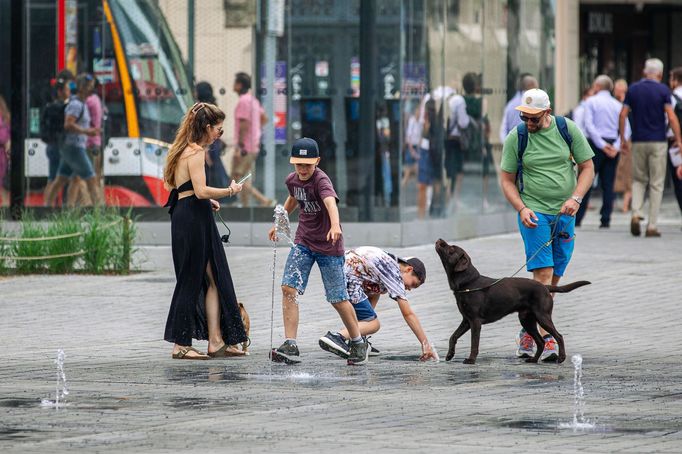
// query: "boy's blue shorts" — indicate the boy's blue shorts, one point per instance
point(555, 255)
point(364, 311)
point(300, 262)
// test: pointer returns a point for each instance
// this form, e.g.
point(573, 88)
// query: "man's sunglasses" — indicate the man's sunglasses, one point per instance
point(533, 120)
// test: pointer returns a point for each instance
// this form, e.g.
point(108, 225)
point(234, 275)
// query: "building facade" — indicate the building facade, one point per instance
point(348, 73)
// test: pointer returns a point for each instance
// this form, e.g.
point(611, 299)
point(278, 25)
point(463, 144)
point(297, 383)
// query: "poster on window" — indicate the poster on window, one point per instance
point(279, 101)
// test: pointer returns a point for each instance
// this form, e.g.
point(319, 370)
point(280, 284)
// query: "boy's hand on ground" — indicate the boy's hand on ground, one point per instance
point(272, 234)
point(427, 354)
point(334, 234)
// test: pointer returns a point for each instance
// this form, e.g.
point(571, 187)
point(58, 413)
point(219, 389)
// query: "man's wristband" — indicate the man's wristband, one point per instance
point(522, 208)
point(231, 192)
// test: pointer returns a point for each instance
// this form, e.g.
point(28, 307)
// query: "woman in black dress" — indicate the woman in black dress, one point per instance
point(204, 304)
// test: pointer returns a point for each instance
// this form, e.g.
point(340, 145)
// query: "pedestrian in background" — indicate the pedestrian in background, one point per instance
point(75, 164)
point(578, 112)
point(249, 117)
point(413, 135)
point(602, 112)
point(5, 145)
point(673, 151)
point(623, 182)
point(456, 122)
point(510, 118)
point(650, 103)
point(52, 130)
point(94, 143)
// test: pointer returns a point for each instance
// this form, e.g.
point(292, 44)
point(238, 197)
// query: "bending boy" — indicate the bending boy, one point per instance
point(371, 272)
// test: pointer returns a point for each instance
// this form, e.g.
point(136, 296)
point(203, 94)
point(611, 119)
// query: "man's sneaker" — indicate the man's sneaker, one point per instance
point(334, 343)
point(526, 345)
point(372, 351)
point(286, 353)
point(359, 353)
point(551, 352)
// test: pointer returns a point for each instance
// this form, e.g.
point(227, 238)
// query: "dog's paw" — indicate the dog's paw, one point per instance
point(561, 359)
point(449, 356)
point(469, 361)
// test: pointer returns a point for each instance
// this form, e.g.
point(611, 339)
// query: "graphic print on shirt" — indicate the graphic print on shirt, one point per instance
point(307, 206)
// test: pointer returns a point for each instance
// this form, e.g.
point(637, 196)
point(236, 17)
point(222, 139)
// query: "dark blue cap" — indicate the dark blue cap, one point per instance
point(304, 151)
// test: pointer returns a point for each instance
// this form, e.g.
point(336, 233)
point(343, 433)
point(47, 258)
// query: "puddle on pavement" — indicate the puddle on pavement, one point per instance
point(20, 403)
point(9, 434)
point(96, 404)
point(409, 358)
point(274, 374)
point(198, 402)
point(556, 426)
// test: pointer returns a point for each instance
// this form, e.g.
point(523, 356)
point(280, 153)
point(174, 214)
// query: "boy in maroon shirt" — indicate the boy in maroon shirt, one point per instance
point(318, 239)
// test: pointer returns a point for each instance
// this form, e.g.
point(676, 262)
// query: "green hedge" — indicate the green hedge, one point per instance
point(96, 241)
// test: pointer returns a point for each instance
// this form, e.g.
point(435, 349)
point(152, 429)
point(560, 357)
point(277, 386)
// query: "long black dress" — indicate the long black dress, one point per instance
point(195, 243)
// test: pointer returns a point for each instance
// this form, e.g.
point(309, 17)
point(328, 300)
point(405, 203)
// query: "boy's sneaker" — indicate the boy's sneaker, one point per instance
point(526, 345)
point(334, 343)
point(359, 353)
point(551, 352)
point(286, 353)
point(372, 351)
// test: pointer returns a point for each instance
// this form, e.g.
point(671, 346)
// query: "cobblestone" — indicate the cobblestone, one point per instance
point(128, 395)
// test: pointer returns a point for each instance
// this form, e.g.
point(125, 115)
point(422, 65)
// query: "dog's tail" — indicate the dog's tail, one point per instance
point(566, 288)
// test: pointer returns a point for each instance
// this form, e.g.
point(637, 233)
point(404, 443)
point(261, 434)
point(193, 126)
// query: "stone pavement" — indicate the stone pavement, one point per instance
point(128, 395)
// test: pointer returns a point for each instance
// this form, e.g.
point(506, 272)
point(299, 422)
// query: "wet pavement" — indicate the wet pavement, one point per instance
point(128, 395)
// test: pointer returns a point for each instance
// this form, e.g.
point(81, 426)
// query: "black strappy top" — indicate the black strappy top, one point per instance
point(175, 194)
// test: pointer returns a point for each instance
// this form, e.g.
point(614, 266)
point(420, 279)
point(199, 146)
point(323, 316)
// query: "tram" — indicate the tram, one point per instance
point(143, 85)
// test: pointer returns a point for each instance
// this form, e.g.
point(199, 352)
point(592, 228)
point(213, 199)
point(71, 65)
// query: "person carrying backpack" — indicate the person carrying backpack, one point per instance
point(539, 156)
point(75, 165)
point(52, 127)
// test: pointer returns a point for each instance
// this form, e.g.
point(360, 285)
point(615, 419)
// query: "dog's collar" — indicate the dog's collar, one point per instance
point(469, 290)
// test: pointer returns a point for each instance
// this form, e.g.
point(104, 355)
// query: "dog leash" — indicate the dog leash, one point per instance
point(554, 223)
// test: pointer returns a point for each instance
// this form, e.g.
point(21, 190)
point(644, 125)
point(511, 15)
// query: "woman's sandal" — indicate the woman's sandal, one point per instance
point(182, 354)
point(226, 351)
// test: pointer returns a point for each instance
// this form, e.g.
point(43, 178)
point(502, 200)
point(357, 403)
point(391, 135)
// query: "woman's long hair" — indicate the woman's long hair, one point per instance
point(193, 129)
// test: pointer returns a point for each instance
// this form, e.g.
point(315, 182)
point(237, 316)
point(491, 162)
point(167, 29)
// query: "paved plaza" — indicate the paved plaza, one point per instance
point(128, 395)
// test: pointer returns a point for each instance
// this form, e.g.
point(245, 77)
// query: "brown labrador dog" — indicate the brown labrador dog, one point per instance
point(481, 302)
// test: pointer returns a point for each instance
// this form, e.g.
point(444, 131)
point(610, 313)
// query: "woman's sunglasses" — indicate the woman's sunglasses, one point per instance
point(220, 132)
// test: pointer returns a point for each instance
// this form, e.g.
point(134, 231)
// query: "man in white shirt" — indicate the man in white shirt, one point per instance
point(510, 118)
point(601, 113)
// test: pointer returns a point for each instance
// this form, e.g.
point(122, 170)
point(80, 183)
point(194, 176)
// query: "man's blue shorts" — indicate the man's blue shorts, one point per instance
point(300, 262)
point(555, 255)
point(75, 161)
point(364, 311)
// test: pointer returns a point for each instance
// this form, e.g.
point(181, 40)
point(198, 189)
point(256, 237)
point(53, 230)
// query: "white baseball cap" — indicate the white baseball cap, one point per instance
point(534, 101)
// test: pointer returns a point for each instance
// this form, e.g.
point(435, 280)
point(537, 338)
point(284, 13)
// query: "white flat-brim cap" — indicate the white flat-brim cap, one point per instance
point(534, 101)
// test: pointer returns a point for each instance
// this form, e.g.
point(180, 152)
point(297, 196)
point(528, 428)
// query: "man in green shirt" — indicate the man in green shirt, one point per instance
point(548, 196)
